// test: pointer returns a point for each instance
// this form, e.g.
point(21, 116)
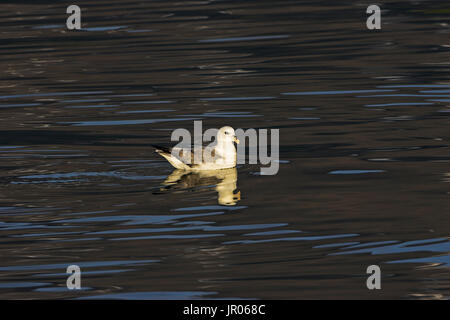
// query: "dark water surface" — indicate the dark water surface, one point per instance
point(364, 149)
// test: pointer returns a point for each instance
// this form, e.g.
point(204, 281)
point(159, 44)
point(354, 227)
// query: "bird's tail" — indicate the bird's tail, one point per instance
point(167, 154)
point(160, 149)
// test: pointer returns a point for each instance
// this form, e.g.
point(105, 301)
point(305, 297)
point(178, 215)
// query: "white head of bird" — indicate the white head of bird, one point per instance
point(226, 135)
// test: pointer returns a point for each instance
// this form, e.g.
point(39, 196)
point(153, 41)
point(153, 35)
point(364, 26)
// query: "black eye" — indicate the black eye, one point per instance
point(226, 132)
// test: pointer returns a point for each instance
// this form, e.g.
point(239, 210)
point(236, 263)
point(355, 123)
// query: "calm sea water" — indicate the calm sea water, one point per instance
point(364, 150)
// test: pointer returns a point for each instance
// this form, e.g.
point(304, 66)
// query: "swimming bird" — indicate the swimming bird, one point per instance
point(221, 155)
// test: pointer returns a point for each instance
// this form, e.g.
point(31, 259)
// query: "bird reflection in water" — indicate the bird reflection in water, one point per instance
point(225, 181)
